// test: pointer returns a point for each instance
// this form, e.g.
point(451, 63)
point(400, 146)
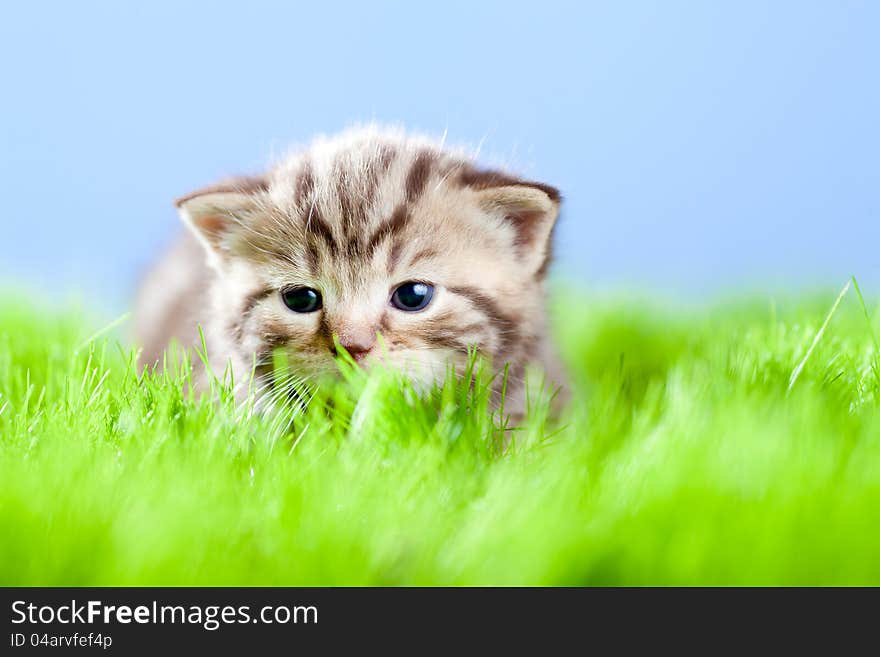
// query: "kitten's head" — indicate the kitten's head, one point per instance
point(392, 247)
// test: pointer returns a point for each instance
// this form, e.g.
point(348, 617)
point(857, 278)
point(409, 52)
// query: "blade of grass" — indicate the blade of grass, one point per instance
point(800, 366)
point(864, 306)
point(97, 334)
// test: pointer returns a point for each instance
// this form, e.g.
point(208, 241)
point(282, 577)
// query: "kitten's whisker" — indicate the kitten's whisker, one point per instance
point(282, 386)
point(253, 231)
point(287, 406)
point(479, 148)
point(311, 212)
point(454, 169)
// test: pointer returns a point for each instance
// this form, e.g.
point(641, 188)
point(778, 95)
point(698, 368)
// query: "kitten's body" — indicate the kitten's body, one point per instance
point(353, 218)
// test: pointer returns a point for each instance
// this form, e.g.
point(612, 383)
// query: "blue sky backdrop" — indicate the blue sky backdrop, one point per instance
point(700, 146)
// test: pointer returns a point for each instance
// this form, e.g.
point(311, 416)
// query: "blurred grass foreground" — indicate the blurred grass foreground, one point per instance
point(734, 444)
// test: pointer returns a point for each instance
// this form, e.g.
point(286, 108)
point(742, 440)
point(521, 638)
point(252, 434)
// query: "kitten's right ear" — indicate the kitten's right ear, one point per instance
point(215, 214)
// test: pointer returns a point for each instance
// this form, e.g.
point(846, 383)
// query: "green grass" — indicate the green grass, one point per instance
point(697, 450)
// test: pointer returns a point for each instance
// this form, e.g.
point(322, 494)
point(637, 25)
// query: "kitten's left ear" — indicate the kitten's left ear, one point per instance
point(531, 210)
point(216, 214)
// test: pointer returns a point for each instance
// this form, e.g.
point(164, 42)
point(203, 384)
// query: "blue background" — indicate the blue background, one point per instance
point(702, 147)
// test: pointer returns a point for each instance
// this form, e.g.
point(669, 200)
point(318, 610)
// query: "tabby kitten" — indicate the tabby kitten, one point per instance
point(371, 233)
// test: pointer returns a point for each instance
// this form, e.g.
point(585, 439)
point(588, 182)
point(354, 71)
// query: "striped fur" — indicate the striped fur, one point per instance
point(354, 217)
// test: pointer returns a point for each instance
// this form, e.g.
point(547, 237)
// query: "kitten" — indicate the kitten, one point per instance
point(369, 233)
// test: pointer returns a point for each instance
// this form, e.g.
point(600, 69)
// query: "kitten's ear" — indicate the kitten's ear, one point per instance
point(531, 210)
point(214, 214)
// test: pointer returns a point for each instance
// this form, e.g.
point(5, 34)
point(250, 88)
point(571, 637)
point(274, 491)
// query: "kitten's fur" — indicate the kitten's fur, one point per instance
point(354, 217)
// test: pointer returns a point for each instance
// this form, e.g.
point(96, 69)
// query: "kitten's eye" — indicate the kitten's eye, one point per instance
point(301, 299)
point(412, 296)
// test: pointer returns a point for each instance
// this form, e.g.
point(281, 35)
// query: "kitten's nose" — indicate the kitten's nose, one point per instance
point(358, 341)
